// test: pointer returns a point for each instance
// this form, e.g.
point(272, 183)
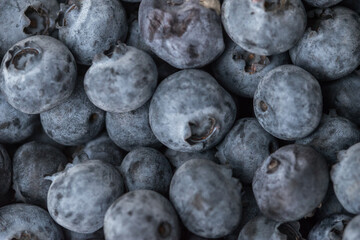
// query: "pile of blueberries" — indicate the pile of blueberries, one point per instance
point(180, 119)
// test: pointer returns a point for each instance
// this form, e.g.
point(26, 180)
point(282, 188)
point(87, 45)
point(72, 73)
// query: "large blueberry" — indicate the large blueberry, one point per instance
point(191, 112)
point(37, 74)
point(207, 198)
point(121, 80)
point(89, 27)
point(32, 162)
point(80, 195)
point(330, 47)
point(245, 147)
point(264, 27)
point(141, 214)
point(291, 183)
point(240, 71)
point(288, 102)
point(346, 176)
point(181, 32)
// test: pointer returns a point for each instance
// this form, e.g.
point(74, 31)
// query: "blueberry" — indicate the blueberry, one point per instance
point(245, 147)
point(75, 121)
point(207, 198)
point(24, 221)
point(132, 129)
point(20, 19)
point(330, 47)
point(121, 80)
point(191, 112)
point(330, 228)
point(37, 74)
point(291, 183)
point(343, 95)
point(264, 27)
point(80, 195)
point(352, 230)
point(180, 32)
point(240, 71)
point(146, 168)
point(134, 37)
point(332, 135)
point(288, 103)
point(32, 162)
point(5, 171)
point(101, 148)
point(345, 176)
point(322, 3)
point(89, 27)
point(141, 214)
point(262, 228)
point(179, 158)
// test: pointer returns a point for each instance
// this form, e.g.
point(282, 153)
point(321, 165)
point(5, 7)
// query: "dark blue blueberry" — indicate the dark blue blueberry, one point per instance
point(240, 71)
point(146, 168)
point(75, 121)
point(288, 102)
point(141, 214)
point(179, 158)
point(207, 198)
point(32, 162)
point(291, 183)
point(181, 32)
point(24, 221)
point(89, 27)
point(131, 129)
point(264, 27)
point(330, 228)
point(80, 195)
point(191, 112)
point(37, 74)
point(245, 147)
point(330, 47)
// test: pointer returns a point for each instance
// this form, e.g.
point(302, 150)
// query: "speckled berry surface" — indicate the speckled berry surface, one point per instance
point(331, 228)
point(352, 231)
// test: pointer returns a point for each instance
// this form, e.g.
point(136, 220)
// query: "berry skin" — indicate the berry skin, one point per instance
point(330, 228)
point(121, 80)
point(191, 112)
point(291, 183)
point(179, 158)
point(288, 102)
point(264, 27)
point(141, 215)
point(101, 24)
point(37, 74)
point(352, 231)
point(207, 198)
point(80, 195)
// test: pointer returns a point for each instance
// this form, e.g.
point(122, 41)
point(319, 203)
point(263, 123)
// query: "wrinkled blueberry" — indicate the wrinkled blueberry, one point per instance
point(345, 176)
point(330, 228)
point(207, 198)
point(80, 195)
point(264, 27)
point(288, 102)
point(191, 112)
point(245, 147)
point(240, 71)
point(180, 32)
point(141, 214)
point(330, 47)
point(291, 183)
point(24, 221)
point(32, 162)
point(332, 135)
point(146, 168)
point(75, 121)
point(5, 171)
point(352, 230)
point(343, 95)
point(179, 158)
point(38, 73)
point(262, 228)
point(89, 27)
point(131, 129)
point(121, 80)
point(20, 19)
